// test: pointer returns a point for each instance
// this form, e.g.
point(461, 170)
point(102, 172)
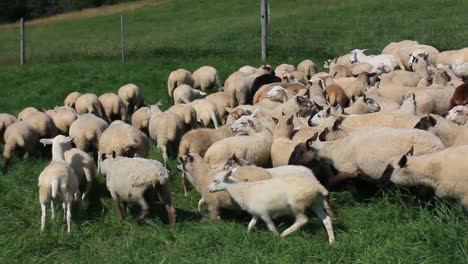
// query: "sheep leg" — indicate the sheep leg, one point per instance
point(43, 216)
point(326, 220)
point(5, 164)
point(185, 183)
point(68, 217)
point(214, 213)
point(88, 188)
point(252, 223)
point(118, 208)
point(52, 211)
point(301, 220)
point(271, 226)
point(165, 194)
point(332, 181)
point(201, 202)
point(144, 210)
point(64, 207)
point(328, 208)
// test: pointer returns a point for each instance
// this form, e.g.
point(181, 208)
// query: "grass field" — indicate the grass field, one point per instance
point(82, 54)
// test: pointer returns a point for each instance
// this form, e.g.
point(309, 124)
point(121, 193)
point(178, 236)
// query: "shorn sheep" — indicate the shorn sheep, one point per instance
point(131, 96)
point(129, 178)
point(205, 78)
point(275, 197)
point(177, 78)
point(19, 135)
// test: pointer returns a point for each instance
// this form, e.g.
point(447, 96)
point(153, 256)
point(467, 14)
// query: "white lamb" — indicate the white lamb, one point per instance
point(376, 60)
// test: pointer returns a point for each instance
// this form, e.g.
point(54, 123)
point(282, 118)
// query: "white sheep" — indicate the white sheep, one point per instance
point(131, 96)
point(222, 102)
point(141, 117)
point(458, 114)
point(113, 107)
point(62, 117)
point(308, 67)
point(452, 56)
point(460, 68)
point(275, 197)
point(397, 45)
point(128, 178)
point(42, 123)
point(83, 166)
point(408, 106)
point(58, 178)
point(177, 78)
point(247, 69)
point(19, 135)
point(386, 105)
point(362, 105)
point(26, 112)
point(206, 77)
point(123, 140)
point(375, 60)
point(187, 113)
point(89, 103)
point(207, 112)
point(71, 98)
point(86, 131)
point(5, 121)
point(285, 67)
point(184, 94)
point(451, 134)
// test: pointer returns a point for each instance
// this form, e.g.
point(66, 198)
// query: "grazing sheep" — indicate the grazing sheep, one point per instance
point(335, 95)
point(362, 105)
point(19, 134)
point(123, 140)
point(89, 103)
point(86, 131)
point(222, 102)
point(205, 78)
point(165, 127)
point(184, 94)
point(5, 121)
point(308, 67)
point(71, 98)
point(444, 171)
point(141, 117)
point(42, 123)
point(131, 96)
point(460, 95)
point(285, 67)
point(113, 106)
point(375, 60)
point(341, 71)
point(63, 118)
point(187, 113)
point(207, 112)
point(177, 78)
point(452, 56)
point(26, 112)
point(83, 166)
point(451, 134)
point(57, 178)
point(458, 114)
point(128, 178)
point(397, 45)
point(275, 197)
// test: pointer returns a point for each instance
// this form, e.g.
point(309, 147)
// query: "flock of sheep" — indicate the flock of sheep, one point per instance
point(279, 139)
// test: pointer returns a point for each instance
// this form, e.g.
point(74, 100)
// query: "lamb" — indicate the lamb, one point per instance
point(128, 178)
point(187, 113)
point(222, 102)
point(177, 78)
point(89, 103)
point(444, 171)
point(5, 121)
point(335, 95)
point(86, 131)
point(57, 178)
point(19, 134)
point(362, 105)
point(254, 148)
point(460, 95)
point(285, 67)
point(42, 123)
point(184, 94)
point(131, 96)
point(165, 127)
point(458, 114)
point(113, 106)
point(278, 196)
point(63, 118)
point(26, 112)
point(83, 166)
point(451, 134)
point(207, 112)
point(308, 67)
point(141, 117)
point(364, 154)
point(71, 98)
point(375, 60)
point(206, 77)
point(123, 140)
point(355, 86)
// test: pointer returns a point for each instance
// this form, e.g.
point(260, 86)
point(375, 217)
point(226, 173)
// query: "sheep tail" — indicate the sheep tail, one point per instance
point(162, 145)
point(54, 185)
point(215, 120)
point(218, 82)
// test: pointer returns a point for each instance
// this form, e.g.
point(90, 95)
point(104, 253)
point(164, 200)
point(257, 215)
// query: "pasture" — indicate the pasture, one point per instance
point(82, 54)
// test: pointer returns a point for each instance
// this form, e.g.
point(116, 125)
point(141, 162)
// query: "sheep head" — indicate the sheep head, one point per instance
point(399, 171)
point(221, 181)
point(458, 114)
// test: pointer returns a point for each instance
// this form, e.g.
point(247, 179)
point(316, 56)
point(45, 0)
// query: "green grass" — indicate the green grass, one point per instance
point(390, 226)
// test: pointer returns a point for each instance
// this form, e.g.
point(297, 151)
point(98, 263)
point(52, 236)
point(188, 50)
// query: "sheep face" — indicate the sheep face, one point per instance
point(243, 124)
point(399, 171)
point(306, 107)
point(276, 91)
point(317, 118)
point(221, 181)
point(372, 104)
point(426, 123)
point(60, 140)
point(458, 114)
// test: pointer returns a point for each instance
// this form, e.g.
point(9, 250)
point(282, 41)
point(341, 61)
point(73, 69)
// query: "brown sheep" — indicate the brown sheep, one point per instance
point(335, 95)
point(460, 95)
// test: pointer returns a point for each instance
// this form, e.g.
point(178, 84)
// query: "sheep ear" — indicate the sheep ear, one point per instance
point(46, 141)
point(283, 114)
point(322, 84)
point(188, 158)
point(290, 120)
point(310, 141)
point(228, 173)
point(414, 96)
point(113, 154)
point(275, 120)
point(314, 137)
point(365, 98)
point(255, 113)
point(323, 135)
point(410, 151)
point(337, 123)
point(251, 123)
point(328, 111)
point(181, 160)
point(228, 109)
point(68, 139)
point(307, 93)
point(319, 107)
point(403, 161)
point(103, 156)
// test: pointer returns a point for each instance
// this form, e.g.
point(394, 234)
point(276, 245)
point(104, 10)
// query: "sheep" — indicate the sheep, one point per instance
point(308, 67)
point(451, 134)
point(128, 178)
point(222, 102)
point(335, 95)
point(460, 69)
point(123, 140)
point(460, 95)
point(394, 120)
point(355, 86)
point(187, 113)
point(362, 105)
point(207, 112)
point(402, 54)
point(398, 45)
point(408, 106)
point(5, 121)
point(342, 60)
point(247, 69)
point(57, 178)
point(451, 56)
point(83, 166)
point(71, 98)
point(26, 112)
point(177, 78)
point(42, 123)
point(255, 148)
point(89, 103)
point(282, 145)
point(206, 77)
point(285, 67)
point(292, 90)
point(19, 134)
point(113, 107)
point(458, 114)
point(316, 86)
point(275, 197)
point(131, 96)
point(63, 118)
point(165, 127)
point(364, 154)
point(386, 105)
point(340, 71)
point(296, 76)
point(141, 117)
point(184, 94)
point(261, 80)
point(86, 131)
point(375, 60)
point(357, 68)
point(444, 171)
